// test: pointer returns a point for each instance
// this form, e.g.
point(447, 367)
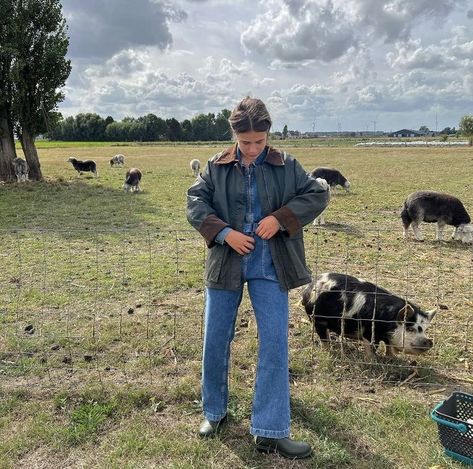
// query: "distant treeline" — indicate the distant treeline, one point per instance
point(149, 128)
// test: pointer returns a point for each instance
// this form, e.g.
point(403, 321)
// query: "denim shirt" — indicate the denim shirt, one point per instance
point(258, 264)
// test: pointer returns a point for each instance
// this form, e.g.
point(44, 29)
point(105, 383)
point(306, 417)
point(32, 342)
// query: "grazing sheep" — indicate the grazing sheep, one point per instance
point(132, 180)
point(81, 166)
point(333, 177)
point(431, 206)
point(117, 160)
point(195, 166)
point(21, 169)
point(320, 220)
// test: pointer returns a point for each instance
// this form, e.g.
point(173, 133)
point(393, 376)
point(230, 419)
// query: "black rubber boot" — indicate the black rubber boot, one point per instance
point(284, 446)
point(209, 428)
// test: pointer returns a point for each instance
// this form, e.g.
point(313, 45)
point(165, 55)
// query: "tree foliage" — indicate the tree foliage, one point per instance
point(149, 128)
point(284, 132)
point(33, 69)
point(466, 127)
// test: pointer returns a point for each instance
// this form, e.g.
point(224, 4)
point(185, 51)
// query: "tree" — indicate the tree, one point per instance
point(7, 143)
point(39, 71)
point(154, 127)
point(187, 131)
point(203, 126)
point(174, 130)
point(89, 127)
point(223, 130)
point(284, 132)
point(424, 129)
point(466, 128)
point(108, 120)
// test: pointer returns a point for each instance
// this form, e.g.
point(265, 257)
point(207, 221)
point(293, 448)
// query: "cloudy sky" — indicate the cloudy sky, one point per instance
point(318, 64)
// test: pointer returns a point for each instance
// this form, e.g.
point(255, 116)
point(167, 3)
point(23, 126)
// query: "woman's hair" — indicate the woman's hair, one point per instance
point(249, 115)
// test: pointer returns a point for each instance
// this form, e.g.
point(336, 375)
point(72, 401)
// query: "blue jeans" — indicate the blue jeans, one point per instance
point(271, 411)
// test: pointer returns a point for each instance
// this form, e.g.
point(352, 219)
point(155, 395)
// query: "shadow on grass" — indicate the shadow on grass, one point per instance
point(72, 205)
point(447, 243)
point(324, 423)
point(396, 371)
point(342, 228)
point(334, 446)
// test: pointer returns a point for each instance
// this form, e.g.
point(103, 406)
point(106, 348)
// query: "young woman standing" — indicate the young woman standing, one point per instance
point(250, 204)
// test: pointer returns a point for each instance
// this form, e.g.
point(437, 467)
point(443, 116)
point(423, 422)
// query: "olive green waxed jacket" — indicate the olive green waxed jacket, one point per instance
point(217, 199)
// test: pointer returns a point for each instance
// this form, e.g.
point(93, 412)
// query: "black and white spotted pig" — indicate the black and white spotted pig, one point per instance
point(399, 324)
point(431, 207)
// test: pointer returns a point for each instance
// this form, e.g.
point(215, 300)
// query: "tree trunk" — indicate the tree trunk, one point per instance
point(31, 155)
point(7, 148)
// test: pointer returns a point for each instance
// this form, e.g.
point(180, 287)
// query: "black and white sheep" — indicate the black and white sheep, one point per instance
point(21, 169)
point(82, 166)
point(117, 160)
point(333, 177)
point(132, 180)
point(431, 207)
point(195, 167)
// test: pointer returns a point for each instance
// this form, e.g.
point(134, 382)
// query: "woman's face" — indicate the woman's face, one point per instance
point(251, 143)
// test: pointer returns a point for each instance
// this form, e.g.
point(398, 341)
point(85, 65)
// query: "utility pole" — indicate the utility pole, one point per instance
point(374, 126)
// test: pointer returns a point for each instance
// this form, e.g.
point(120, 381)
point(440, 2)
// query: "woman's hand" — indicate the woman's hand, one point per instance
point(267, 227)
point(241, 243)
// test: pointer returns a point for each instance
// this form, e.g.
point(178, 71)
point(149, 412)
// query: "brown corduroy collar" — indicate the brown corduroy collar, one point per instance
point(274, 157)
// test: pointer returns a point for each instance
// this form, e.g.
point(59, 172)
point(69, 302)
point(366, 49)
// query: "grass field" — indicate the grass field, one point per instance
point(101, 317)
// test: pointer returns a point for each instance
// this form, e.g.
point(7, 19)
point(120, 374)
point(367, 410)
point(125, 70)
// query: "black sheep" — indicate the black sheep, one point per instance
point(82, 166)
point(333, 177)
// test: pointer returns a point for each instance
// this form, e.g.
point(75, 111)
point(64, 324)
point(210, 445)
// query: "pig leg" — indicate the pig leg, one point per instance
point(369, 350)
point(416, 230)
point(439, 231)
point(324, 335)
point(390, 351)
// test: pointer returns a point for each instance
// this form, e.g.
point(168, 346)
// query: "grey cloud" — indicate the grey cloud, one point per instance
point(302, 30)
point(469, 14)
point(124, 63)
point(411, 93)
point(181, 96)
point(393, 20)
point(100, 28)
point(451, 54)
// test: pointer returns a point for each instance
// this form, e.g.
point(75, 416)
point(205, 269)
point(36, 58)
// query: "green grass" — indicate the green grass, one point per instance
point(112, 285)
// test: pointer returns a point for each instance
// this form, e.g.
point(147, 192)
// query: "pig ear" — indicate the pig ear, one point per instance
point(406, 313)
point(431, 313)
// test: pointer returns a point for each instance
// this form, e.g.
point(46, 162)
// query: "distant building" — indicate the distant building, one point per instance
point(293, 134)
point(406, 133)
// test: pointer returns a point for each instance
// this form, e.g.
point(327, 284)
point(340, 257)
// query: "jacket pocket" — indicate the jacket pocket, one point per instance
point(214, 262)
point(296, 256)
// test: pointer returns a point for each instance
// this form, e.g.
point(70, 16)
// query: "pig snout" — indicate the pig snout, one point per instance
point(422, 344)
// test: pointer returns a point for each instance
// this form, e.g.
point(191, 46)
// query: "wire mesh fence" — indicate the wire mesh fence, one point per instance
point(132, 301)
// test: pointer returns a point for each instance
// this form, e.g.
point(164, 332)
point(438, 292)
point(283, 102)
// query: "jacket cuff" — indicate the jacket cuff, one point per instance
point(210, 228)
point(288, 220)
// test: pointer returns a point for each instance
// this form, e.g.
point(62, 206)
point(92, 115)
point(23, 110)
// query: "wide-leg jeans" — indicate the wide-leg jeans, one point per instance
point(271, 408)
